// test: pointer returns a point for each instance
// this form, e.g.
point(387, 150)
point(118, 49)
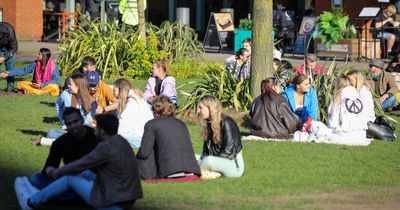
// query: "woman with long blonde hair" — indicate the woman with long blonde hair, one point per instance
point(133, 112)
point(222, 142)
point(357, 80)
point(346, 124)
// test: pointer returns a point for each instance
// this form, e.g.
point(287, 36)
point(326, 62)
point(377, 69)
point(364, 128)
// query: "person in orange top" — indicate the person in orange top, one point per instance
point(102, 93)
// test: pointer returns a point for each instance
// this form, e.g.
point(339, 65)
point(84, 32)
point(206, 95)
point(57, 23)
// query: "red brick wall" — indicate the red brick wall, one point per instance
point(26, 16)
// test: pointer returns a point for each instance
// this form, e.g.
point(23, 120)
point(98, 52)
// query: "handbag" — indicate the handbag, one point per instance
point(380, 131)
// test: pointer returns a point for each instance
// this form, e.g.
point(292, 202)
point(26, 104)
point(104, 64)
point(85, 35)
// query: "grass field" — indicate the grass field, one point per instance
point(278, 175)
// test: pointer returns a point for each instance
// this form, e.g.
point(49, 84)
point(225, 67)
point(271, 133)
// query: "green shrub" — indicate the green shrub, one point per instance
point(179, 40)
point(245, 24)
point(189, 69)
point(119, 52)
point(218, 82)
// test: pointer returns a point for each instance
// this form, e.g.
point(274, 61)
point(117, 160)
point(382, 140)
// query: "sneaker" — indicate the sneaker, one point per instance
point(46, 141)
point(10, 89)
point(33, 190)
point(23, 193)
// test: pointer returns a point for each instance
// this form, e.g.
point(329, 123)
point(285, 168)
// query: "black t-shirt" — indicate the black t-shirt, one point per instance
point(67, 148)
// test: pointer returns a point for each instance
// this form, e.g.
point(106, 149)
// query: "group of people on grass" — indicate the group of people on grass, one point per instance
point(100, 126)
point(291, 112)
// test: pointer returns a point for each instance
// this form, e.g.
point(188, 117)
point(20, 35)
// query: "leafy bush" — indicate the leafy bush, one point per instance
point(218, 82)
point(189, 69)
point(334, 26)
point(245, 24)
point(119, 52)
point(179, 40)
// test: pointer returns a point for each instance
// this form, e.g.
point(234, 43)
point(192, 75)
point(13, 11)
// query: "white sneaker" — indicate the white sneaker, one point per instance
point(46, 141)
point(23, 193)
point(33, 190)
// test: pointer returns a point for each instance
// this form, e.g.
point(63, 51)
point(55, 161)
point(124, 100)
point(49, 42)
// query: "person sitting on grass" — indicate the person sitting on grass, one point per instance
point(270, 114)
point(160, 83)
point(385, 86)
point(166, 150)
point(302, 98)
point(238, 67)
point(102, 93)
point(46, 76)
point(133, 112)
point(311, 69)
point(115, 186)
point(347, 125)
point(88, 65)
point(222, 148)
point(78, 141)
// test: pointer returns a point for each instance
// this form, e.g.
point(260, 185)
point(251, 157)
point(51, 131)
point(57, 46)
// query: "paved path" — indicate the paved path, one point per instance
point(29, 49)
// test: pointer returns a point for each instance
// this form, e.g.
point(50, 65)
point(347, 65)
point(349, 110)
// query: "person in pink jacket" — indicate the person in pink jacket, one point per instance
point(312, 69)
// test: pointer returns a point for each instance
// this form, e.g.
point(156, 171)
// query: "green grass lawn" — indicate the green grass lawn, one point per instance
point(278, 175)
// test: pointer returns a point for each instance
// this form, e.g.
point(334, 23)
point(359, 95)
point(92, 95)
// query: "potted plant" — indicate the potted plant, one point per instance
point(244, 31)
point(336, 35)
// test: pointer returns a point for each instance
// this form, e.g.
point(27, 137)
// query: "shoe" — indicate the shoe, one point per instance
point(46, 141)
point(33, 190)
point(10, 89)
point(23, 193)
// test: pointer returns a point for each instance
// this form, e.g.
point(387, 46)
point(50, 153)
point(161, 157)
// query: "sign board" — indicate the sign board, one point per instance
point(224, 21)
point(369, 12)
point(306, 30)
point(308, 25)
point(219, 33)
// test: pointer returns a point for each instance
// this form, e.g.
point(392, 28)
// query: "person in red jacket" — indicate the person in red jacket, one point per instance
point(312, 69)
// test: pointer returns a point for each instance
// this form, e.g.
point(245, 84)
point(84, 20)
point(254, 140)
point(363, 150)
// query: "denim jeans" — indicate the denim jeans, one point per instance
point(389, 102)
point(41, 181)
point(78, 183)
point(9, 63)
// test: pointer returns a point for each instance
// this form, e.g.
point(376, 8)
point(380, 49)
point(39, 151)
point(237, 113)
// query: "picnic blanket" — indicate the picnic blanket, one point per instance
point(193, 178)
point(257, 138)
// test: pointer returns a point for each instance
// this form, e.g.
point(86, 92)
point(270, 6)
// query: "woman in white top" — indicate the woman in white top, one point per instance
point(133, 111)
point(357, 80)
point(347, 125)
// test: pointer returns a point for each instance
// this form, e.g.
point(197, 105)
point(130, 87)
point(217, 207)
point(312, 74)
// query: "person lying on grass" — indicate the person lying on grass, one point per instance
point(46, 76)
point(166, 150)
point(115, 186)
point(222, 148)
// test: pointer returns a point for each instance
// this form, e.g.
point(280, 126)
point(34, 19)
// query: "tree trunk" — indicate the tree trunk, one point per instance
point(142, 21)
point(261, 53)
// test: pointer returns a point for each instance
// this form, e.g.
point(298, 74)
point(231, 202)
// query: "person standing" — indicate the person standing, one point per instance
point(8, 48)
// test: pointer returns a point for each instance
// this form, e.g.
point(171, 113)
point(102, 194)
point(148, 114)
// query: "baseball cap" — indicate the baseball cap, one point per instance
point(277, 54)
point(377, 62)
point(93, 78)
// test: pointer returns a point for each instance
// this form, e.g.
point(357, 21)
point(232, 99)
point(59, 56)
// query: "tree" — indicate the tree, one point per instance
point(142, 25)
point(261, 55)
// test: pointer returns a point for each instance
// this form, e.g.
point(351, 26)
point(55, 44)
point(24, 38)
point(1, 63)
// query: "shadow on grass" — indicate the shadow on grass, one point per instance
point(49, 104)
point(33, 132)
point(50, 120)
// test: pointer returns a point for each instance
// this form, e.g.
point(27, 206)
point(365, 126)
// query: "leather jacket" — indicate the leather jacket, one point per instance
point(272, 118)
point(231, 143)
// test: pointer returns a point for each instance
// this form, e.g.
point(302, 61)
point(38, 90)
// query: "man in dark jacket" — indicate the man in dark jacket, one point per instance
point(77, 142)
point(116, 184)
point(8, 48)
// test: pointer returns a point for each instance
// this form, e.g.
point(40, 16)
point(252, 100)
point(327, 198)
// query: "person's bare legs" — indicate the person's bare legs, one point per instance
point(390, 42)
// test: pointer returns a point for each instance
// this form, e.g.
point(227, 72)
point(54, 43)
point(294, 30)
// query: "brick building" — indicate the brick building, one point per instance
point(26, 16)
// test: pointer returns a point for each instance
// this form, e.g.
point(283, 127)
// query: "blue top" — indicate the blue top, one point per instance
point(310, 107)
point(55, 77)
